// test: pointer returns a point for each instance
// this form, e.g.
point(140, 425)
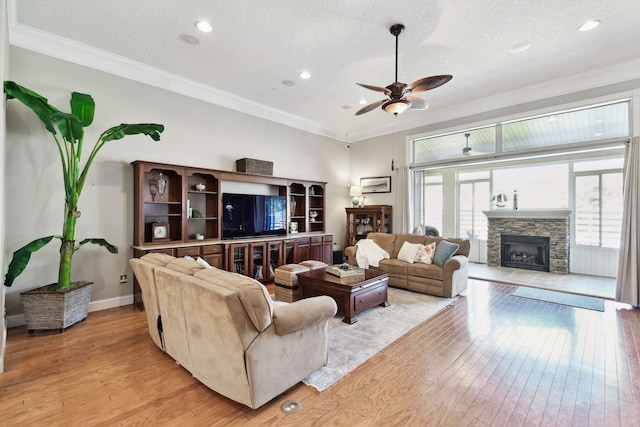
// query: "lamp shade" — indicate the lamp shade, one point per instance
point(396, 107)
point(355, 191)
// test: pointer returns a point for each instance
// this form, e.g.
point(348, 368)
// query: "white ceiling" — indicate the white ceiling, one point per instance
point(255, 45)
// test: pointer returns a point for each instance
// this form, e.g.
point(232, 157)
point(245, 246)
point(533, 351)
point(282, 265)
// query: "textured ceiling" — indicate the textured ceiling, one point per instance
point(256, 45)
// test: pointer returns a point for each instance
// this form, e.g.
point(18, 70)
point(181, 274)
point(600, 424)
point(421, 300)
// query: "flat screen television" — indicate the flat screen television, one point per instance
point(251, 215)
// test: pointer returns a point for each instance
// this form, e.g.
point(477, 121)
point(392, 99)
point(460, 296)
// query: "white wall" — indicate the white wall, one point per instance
point(197, 134)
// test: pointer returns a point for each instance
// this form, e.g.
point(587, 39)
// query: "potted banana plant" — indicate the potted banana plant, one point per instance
point(65, 302)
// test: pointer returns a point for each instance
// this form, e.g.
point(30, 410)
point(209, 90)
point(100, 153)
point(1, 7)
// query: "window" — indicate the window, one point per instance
point(430, 200)
point(473, 198)
point(598, 203)
point(539, 187)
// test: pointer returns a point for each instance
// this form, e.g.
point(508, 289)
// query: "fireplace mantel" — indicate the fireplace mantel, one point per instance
point(528, 213)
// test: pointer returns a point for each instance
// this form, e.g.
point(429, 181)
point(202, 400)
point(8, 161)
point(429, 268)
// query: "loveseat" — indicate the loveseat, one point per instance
point(227, 332)
point(446, 280)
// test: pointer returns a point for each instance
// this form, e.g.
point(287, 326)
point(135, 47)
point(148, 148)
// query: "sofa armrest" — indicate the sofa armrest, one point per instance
point(454, 263)
point(350, 254)
point(303, 313)
point(455, 276)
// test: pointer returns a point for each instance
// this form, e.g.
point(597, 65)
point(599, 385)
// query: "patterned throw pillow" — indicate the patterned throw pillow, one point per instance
point(425, 253)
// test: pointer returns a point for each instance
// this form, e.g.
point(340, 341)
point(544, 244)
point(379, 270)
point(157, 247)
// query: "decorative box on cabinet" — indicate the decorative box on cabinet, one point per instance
point(362, 221)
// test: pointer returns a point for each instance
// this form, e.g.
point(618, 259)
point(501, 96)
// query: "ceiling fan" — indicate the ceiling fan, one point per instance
point(398, 92)
point(468, 151)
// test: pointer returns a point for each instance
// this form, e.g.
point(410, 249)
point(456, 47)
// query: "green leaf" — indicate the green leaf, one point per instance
point(83, 107)
point(100, 242)
point(69, 125)
point(36, 102)
point(21, 258)
point(118, 132)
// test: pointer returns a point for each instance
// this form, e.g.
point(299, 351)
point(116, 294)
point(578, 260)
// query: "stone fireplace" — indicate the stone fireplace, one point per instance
point(539, 239)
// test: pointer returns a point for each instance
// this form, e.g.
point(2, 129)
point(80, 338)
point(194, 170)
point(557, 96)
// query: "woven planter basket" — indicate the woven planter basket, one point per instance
point(48, 309)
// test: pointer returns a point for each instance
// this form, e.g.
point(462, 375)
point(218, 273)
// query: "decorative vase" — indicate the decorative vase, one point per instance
point(46, 308)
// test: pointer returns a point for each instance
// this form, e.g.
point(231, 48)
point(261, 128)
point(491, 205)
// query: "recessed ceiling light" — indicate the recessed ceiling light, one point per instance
point(362, 101)
point(589, 25)
point(188, 38)
point(305, 75)
point(204, 26)
point(520, 47)
point(346, 107)
point(288, 83)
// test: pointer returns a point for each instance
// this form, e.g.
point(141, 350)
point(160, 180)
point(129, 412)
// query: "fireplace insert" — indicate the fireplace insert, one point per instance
point(526, 252)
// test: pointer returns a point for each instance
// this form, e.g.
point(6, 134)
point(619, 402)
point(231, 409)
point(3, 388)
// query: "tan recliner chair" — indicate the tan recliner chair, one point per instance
point(224, 328)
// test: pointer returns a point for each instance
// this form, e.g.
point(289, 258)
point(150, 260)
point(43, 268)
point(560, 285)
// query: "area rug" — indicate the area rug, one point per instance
point(579, 301)
point(376, 328)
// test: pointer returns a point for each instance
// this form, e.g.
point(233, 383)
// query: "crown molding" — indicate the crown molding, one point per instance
point(68, 50)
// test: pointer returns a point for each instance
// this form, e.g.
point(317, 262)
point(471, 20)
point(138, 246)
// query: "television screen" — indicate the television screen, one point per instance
point(250, 215)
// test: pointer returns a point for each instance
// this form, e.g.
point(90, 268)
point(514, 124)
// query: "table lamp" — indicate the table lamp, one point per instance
point(356, 192)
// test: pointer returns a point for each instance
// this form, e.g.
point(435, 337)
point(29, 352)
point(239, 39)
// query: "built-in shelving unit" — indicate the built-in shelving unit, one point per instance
point(186, 201)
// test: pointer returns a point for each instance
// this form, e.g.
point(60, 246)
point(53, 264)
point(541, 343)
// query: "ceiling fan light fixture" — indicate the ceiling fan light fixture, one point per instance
point(396, 107)
point(397, 92)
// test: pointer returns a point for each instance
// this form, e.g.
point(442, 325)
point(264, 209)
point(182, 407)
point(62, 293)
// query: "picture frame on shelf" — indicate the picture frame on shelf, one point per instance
point(160, 232)
point(378, 184)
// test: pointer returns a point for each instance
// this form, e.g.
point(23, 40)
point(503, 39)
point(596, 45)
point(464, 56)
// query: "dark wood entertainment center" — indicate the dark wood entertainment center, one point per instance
point(198, 234)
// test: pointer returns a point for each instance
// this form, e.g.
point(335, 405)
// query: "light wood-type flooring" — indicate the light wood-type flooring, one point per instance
point(491, 359)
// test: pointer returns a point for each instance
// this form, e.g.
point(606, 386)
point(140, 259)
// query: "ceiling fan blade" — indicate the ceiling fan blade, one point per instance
point(416, 103)
point(429, 83)
point(371, 106)
point(376, 88)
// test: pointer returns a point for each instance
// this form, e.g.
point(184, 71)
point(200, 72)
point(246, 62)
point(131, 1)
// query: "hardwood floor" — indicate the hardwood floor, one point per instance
point(492, 359)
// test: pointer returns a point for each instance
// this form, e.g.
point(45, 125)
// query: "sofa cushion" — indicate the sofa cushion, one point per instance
point(444, 251)
point(427, 271)
point(252, 294)
point(401, 238)
point(425, 253)
point(384, 240)
point(393, 266)
point(157, 258)
point(408, 252)
point(184, 266)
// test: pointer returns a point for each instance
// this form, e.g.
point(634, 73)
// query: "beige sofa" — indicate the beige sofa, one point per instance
point(227, 332)
point(446, 281)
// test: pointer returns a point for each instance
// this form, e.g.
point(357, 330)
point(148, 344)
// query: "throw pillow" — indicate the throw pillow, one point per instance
point(408, 252)
point(444, 251)
point(425, 253)
point(203, 263)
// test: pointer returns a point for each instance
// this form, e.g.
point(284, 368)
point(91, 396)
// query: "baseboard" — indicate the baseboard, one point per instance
point(19, 320)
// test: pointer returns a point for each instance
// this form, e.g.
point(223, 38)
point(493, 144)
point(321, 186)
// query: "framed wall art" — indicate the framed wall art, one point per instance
point(378, 184)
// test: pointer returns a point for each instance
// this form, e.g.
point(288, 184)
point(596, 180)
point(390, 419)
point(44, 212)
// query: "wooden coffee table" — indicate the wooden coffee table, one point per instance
point(352, 294)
